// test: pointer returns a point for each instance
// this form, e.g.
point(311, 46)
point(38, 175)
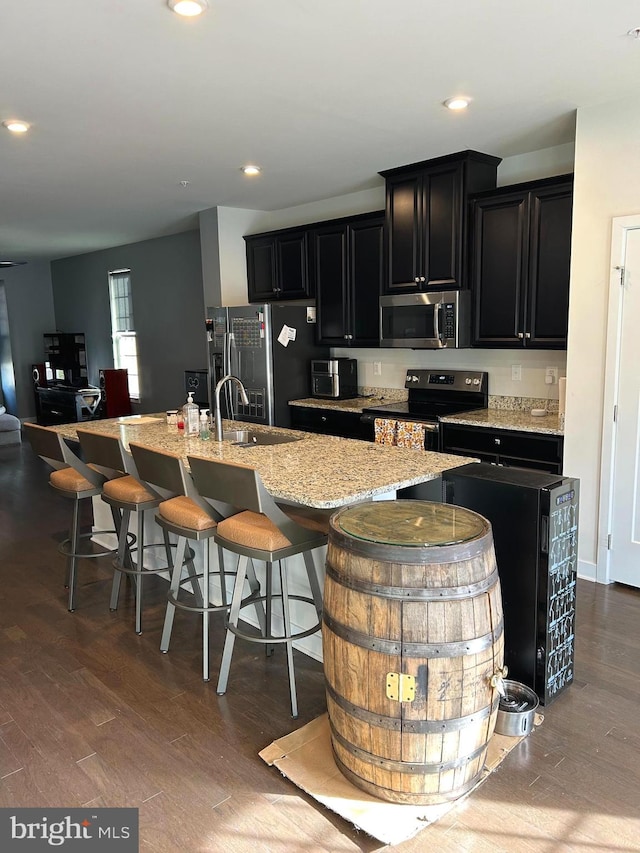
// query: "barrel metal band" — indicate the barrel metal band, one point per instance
point(422, 727)
point(408, 554)
point(406, 766)
point(445, 593)
point(413, 650)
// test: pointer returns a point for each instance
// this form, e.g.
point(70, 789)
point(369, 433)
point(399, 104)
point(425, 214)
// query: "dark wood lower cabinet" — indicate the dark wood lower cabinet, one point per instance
point(538, 451)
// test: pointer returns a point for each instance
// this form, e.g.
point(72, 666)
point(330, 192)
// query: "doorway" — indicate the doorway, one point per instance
point(619, 522)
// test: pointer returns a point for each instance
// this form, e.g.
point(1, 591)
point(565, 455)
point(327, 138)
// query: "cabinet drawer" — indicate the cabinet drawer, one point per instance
point(331, 422)
point(509, 447)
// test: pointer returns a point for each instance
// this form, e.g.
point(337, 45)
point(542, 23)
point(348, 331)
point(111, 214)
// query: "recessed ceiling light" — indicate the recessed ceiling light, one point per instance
point(635, 32)
point(251, 170)
point(16, 125)
point(188, 8)
point(457, 103)
point(5, 264)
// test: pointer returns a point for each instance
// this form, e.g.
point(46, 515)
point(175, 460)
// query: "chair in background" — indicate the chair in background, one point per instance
point(190, 518)
point(260, 530)
point(125, 494)
point(74, 479)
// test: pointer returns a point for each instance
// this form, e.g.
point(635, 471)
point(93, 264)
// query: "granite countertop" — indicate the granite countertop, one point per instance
point(354, 404)
point(516, 419)
point(522, 421)
point(315, 470)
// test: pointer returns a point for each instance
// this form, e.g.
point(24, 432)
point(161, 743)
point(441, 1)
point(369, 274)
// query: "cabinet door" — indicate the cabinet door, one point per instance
point(403, 233)
point(261, 268)
point(293, 278)
point(499, 267)
point(442, 243)
point(365, 281)
point(549, 261)
point(330, 273)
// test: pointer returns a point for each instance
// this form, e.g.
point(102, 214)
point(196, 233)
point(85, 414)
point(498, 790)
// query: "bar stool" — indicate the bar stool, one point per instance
point(72, 479)
point(125, 494)
point(190, 518)
point(261, 530)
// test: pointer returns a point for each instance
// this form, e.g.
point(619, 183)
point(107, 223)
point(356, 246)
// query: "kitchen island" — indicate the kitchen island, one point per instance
point(320, 471)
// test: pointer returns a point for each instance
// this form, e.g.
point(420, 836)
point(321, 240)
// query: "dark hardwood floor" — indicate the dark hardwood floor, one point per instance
point(90, 713)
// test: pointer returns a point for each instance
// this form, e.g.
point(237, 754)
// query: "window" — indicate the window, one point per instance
point(125, 349)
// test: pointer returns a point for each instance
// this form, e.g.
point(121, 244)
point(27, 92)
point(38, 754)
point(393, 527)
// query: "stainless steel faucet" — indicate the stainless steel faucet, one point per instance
point(218, 415)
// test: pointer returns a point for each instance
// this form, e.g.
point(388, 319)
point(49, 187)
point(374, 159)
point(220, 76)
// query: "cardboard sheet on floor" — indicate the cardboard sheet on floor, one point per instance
point(305, 757)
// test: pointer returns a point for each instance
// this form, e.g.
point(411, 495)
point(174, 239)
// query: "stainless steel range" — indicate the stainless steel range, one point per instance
point(433, 394)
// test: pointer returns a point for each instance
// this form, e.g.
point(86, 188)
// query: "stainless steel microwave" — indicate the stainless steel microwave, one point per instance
point(434, 320)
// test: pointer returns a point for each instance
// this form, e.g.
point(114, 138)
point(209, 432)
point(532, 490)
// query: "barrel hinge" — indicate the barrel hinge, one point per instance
point(401, 687)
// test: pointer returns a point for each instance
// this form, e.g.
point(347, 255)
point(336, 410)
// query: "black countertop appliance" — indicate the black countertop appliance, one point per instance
point(534, 517)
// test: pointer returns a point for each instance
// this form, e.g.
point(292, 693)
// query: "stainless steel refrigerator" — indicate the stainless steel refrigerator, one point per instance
point(269, 348)
point(534, 517)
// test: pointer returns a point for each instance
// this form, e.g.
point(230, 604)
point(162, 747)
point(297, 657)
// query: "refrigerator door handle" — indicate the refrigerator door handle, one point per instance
point(544, 534)
point(226, 369)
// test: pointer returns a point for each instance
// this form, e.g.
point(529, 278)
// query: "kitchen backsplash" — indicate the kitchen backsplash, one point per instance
point(385, 369)
point(511, 404)
point(522, 404)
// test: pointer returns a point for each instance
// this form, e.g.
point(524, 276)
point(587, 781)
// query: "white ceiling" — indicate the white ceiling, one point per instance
point(127, 100)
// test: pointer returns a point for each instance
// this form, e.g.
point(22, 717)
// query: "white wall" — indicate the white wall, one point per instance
point(536, 164)
point(30, 315)
point(607, 184)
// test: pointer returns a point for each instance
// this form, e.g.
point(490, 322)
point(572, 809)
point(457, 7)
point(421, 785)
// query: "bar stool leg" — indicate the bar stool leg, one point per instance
point(173, 591)
point(284, 589)
point(254, 588)
point(205, 612)
point(139, 567)
point(193, 574)
point(122, 556)
point(268, 650)
point(234, 613)
point(314, 583)
point(72, 560)
point(223, 580)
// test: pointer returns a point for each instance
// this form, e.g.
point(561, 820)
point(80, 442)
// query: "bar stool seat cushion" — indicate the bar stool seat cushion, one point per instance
point(184, 512)
point(253, 530)
point(71, 480)
point(127, 489)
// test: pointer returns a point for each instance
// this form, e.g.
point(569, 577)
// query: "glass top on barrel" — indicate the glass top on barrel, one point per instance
point(411, 523)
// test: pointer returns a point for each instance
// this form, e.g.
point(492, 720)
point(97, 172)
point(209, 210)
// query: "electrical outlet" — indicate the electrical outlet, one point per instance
point(377, 368)
point(551, 375)
point(516, 372)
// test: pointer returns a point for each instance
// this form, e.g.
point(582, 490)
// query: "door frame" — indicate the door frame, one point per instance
point(621, 225)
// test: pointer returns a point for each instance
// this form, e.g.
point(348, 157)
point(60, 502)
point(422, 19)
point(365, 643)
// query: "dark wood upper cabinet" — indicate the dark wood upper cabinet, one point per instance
point(425, 220)
point(277, 266)
point(520, 257)
point(347, 264)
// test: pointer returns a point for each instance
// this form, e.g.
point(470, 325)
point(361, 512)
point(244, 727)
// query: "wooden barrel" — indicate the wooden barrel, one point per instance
point(412, 639)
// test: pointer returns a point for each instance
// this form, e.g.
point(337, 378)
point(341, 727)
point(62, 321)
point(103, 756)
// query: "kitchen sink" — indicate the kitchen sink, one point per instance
point(247, 438)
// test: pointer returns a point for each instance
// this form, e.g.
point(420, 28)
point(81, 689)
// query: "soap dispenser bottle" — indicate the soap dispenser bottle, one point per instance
point(205, 433)
point(191, 412)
